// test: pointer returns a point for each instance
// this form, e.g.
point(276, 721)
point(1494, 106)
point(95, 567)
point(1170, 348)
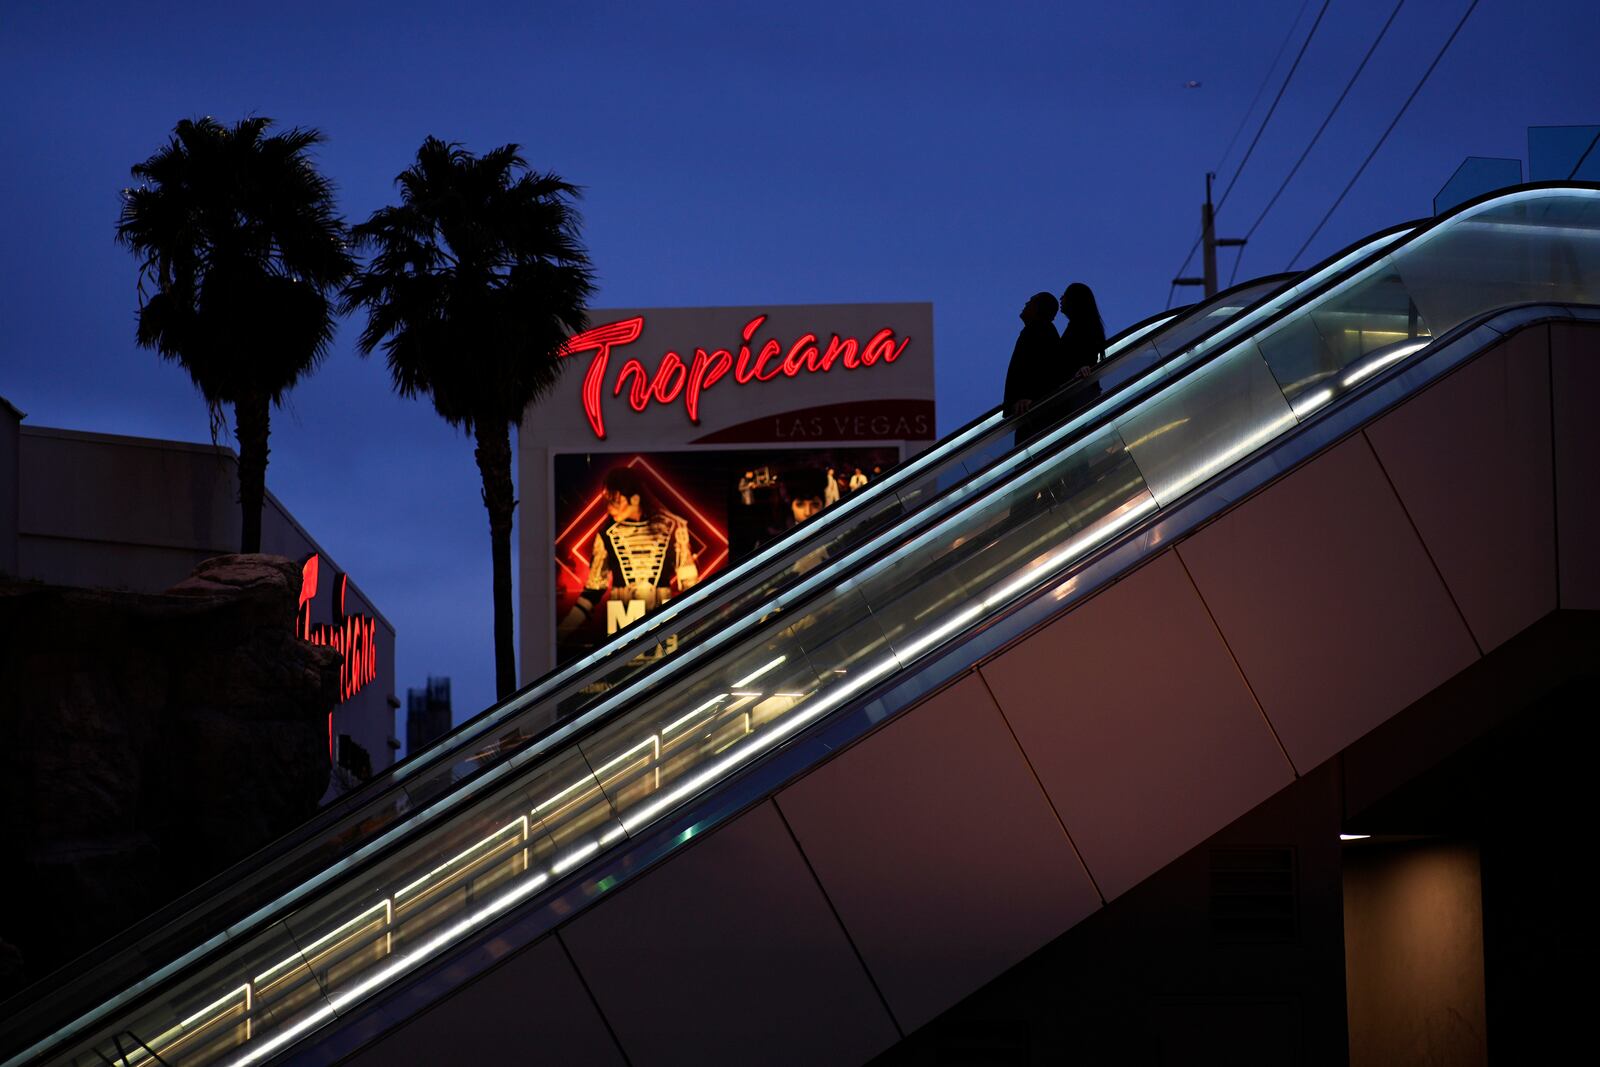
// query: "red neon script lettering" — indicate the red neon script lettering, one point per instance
point(355, 636)
point(672, 380)
point(703, 373)
point(600, 341)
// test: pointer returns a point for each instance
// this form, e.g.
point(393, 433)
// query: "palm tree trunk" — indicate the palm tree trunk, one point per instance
point(251, 425)
point(494, 463)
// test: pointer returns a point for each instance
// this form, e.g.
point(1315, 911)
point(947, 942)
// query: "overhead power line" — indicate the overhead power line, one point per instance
point(1376, 41)
point(1287, 78)
point(1393, 123)
point(1288, 35)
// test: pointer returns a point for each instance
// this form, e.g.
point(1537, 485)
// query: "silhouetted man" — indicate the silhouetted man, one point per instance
point(1035, 370)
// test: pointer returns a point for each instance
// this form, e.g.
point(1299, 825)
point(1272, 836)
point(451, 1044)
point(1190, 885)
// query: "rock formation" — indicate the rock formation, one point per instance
point(146, 743)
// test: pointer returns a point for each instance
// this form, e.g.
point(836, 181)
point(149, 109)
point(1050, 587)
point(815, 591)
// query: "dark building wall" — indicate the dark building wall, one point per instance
point(1413, 934)
point(1470, 932)
point(1230, 954)
point(1522, 793)
point(10, 422)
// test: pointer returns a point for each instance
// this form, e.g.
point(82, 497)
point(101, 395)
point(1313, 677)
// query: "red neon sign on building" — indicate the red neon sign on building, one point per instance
point(354, 636)
point(673, 379)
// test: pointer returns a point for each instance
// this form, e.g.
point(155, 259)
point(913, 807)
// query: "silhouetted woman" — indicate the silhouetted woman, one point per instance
point(1083, 342)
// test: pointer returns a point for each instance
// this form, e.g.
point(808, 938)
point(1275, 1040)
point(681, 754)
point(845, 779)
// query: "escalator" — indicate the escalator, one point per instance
point(355, 825)
point(967, 574)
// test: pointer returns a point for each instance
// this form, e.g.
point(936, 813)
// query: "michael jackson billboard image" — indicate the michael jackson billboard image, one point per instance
point(633, 531)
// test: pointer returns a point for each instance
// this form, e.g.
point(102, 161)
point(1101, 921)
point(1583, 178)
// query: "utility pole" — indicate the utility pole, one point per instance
point(1209, 239)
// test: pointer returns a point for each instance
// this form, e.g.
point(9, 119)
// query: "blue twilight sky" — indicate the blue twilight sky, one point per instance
point(732, 153)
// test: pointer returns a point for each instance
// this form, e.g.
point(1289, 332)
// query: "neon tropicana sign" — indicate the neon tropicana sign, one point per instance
point(355, 636)
point(674, 379)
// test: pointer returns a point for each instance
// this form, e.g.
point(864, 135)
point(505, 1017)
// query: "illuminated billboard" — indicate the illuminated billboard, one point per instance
point(680, 439)
point(634, 530)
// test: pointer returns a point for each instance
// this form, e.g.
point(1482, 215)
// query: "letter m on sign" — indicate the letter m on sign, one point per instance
point(621, 613)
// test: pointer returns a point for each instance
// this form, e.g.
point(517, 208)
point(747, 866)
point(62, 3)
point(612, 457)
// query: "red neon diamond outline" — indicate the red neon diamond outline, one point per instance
point(576, 548)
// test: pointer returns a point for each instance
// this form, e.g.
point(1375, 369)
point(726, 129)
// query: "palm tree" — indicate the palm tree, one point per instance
point(476, 279)
point(237, 235)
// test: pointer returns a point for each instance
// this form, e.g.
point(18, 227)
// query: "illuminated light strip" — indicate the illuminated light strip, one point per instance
point(747, 679)
point(175, 1035)
point(1227, 334)
point(626, 756)
point(342, 1000)
point(345, 998)
point(767, 738)
point(1226, 457)
point(463, 857)
point(1157, 432)
point(594, 779)
point(1304, 406)
point(209, 1008)
point(612, 834)
point(301, 957)
point(1362, 373)
point(1533, 229)
point(575, 857)
point(703, 707)
point(1086, 541)
point(589, 783)
point(292, 1034)
point(950, 626)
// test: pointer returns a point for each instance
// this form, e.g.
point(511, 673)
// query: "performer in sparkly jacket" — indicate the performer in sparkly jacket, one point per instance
point(641, 556)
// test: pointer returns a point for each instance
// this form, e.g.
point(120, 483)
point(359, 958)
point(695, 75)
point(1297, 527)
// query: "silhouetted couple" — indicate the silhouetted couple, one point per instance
point(1045, 362)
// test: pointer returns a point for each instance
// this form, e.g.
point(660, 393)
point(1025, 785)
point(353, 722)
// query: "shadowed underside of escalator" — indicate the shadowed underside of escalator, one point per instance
point(910, 779)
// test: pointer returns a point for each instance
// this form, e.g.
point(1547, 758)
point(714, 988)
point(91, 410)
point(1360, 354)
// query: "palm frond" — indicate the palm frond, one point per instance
point(473, 281)
point(241, 254)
